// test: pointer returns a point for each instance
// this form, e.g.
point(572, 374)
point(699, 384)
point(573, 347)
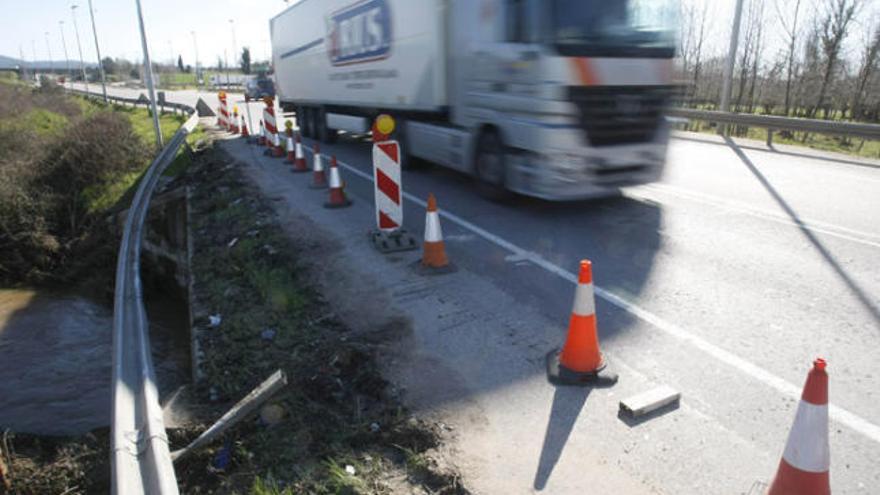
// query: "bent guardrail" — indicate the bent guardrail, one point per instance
point(773, 123)
point(140, 458)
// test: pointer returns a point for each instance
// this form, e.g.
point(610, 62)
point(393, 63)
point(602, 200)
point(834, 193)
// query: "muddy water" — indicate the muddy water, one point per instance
point(55, 359)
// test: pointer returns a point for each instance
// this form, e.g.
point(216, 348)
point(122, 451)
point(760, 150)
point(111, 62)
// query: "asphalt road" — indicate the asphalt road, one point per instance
point(724, 280)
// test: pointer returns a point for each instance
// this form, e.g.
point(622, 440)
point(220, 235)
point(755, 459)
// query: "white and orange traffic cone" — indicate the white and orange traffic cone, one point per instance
point(434, 250)
point(244, 130)
point(337, 188)
point(806, 460)
point(319, 178)
point(299, 163)
point(277, 150)
point(290, 155)
point(580, 362)
point(261, 140)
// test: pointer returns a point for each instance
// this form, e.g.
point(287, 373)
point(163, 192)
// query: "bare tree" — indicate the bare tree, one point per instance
point(791, 36)
point(834, 26)
point(869, 61)
point(693, 37)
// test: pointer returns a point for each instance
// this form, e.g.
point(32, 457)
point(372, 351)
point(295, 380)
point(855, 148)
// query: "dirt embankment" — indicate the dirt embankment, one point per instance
point(338, 427)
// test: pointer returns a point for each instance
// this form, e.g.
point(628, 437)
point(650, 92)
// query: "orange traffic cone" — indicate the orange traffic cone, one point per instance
point(244, 130)
point(806, 460)
point(290, 156)
point(277, 150)
point(319, 179)
point(234, 125)
point(434, 250)
point(580, 362)
point(299, 164)
point(337, 188)
point(261, 140)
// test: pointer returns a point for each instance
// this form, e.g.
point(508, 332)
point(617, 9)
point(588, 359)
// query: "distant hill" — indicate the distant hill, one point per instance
point(9, 63)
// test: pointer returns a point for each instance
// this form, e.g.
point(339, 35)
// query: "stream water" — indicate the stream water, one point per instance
point(55, 359)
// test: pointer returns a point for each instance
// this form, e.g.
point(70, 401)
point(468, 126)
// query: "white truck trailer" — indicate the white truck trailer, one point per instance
point(558, 99)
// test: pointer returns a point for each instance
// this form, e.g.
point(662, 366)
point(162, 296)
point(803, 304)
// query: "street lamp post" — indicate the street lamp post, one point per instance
point(64, 44)
point(731, 58)
point(82, 64)
point(98, 50)
point(234, 47)
point(34, 49)
point(196, 47)
point(49, 50)
point(148, 74)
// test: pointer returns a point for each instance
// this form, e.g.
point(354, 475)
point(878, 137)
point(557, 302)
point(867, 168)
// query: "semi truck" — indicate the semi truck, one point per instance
point(556, 99)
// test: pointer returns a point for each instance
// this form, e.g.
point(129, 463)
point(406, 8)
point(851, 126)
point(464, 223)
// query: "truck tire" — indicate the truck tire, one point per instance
point(490, 167)
point(324, 133)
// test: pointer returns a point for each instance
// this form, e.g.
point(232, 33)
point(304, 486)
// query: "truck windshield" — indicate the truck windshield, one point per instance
point(612, 28)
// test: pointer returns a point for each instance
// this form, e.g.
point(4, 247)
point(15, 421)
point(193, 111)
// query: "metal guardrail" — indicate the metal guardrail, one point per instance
point(141, 461)
point(772, 123)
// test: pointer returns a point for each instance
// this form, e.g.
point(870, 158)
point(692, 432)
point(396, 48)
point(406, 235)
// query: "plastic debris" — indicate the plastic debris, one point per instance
point(350, 469)
point(224, 455)
point(374, 427)
point(268, 334)
point(232, 243)
point(214, 320)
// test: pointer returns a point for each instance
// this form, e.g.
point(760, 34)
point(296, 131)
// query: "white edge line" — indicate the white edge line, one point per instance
point(839, 414)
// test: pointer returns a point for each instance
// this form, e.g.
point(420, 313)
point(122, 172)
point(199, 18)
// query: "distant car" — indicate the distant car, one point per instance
point(260, 88)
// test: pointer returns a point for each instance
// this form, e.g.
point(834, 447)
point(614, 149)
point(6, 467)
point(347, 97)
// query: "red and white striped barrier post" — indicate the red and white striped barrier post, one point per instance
point(250, 121)
point(269, 123)
point(388, 190)
point(235, 120)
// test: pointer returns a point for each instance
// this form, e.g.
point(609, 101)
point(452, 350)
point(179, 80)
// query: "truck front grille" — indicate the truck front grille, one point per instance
point(620, 114)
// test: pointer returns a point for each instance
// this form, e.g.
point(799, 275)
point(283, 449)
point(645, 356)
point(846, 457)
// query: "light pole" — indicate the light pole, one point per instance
point(82, 64)
point(731, 58)
point(98, 50)
point(148, 71)
point(49, 50)
point(226, 63)
point(196, 47)
point(64, 44)
point(234, 47)
point(23, 63)
point(34, 49)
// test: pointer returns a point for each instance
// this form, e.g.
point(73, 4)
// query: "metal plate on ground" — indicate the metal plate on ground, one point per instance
point(652, 400)
point(393, 241)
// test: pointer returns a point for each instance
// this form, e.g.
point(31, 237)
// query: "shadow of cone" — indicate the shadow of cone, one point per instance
point(806, 460)
point(581, 362)
point(337, 188)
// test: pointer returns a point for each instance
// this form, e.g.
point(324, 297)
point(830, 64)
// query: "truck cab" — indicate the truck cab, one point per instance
point(563, 99)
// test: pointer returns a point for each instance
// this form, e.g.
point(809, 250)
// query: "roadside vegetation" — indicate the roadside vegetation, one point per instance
point(66, 164)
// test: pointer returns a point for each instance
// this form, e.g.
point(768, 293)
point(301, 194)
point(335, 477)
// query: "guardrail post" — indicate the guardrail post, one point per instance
point(769, 137)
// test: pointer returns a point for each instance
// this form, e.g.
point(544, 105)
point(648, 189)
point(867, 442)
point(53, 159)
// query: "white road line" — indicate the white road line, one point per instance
point(843, 416)
point(815, 226)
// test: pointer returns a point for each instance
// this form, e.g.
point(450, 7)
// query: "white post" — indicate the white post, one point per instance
point(731, 58)
point(82, 64)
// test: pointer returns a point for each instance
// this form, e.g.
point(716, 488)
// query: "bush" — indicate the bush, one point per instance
point(48, 162)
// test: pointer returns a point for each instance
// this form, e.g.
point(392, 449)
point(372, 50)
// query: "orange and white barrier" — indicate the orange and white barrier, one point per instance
point(261, 139)
point(319, 179)
point(224, 112)
point(434, 250)
point(580, 361)
point(387, 176)
point(806, 460)
point(337, 188)
point(270, 123)
point(236, 122)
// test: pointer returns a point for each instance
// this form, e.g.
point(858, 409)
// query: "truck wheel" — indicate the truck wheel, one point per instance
point(325, 134)
point(490, 167)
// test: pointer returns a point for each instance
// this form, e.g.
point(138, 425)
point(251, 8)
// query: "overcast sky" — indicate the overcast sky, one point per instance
point(170, 22)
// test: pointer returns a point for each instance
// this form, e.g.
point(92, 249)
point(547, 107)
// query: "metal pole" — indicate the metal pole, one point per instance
point(34, 49)
point(731, 58)
point(148, 74)
point(196, 46)
point(234, 47)
point(98, 50)
point(64, 44)
point(82, 64)
point(23, 63)
point(49, 51)
point(226, 63)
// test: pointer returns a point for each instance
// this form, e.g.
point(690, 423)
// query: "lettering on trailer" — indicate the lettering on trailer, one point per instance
point(359, 33)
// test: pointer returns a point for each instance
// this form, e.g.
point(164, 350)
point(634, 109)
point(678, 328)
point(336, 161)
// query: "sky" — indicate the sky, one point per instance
point(169, 25)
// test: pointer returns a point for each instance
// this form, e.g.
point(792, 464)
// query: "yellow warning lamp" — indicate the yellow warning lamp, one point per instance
point(221, 95)
point(235, 108)
point(385, 124)
point(288, 124)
